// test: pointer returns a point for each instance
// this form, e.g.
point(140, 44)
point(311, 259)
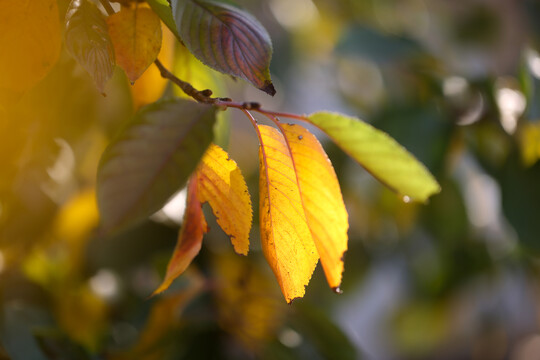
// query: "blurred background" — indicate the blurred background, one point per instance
point(456, 82)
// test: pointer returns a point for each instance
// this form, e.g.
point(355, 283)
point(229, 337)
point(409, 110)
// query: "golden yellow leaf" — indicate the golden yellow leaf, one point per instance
point(136, 36)
point(322, 200)
point(222, 185)
point(150, 86)
point(30, 40)
point(530, 143)
point(249, 306)
point(286, 239)
point(189, 240)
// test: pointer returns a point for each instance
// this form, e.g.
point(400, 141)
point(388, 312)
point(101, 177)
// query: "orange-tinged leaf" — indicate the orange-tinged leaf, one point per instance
point(322, 200)
point(150, 86)
point(221, 184)
point(189, 239)
point(136, 36)
point(286, 239)
point(30, 39)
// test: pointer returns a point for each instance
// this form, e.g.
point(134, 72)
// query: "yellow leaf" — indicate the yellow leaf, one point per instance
point(149, 87)
point(530, 143)
point(249, 307)
point(78, 217)
point(286, 239)
point(222, 185)
point(321, 197)
point(30, 40)
point(136, 36)
point(189, 239)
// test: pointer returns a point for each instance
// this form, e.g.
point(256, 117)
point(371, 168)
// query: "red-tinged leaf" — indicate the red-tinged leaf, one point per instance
point(88, 41)
point(136, 35)
point(227, 39)
point(321, 198)
point(286, 239)
point(222, 185)
point(151, 159)
point(189, 240)
point(30, 42)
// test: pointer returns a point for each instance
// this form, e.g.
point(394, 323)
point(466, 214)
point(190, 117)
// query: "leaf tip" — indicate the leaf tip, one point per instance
point(290, 301)
point(269, 88)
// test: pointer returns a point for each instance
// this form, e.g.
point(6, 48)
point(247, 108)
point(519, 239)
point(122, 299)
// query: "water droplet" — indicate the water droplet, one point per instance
point(300, 137)
point(406, 199)
point(337, 290)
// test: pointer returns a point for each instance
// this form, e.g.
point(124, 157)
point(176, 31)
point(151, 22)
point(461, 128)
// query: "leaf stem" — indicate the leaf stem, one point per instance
point(107, 5)
point(203, 96)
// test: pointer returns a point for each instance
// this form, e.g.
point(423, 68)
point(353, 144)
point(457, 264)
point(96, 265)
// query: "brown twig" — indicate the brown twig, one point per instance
point(203, 96)
point(107, 5)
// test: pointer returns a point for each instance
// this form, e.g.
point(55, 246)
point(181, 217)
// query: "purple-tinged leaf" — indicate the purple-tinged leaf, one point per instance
point(151, 159)
point(88, 41)
point(227, 39)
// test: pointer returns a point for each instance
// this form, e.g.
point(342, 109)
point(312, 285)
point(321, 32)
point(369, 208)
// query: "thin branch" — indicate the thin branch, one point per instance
point(203, 96)
point(107, 5)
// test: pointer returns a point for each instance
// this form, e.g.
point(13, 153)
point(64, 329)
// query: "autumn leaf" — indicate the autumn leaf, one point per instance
point(379, 154)
point(222, 185)
point(136, 36)
point(227, 39)
point(321, 199)
point(286, 238)
point(150, 86)
point(219, 182)
point(30, 39)
point(88, 41)
point(190, 238)
point(151, 159)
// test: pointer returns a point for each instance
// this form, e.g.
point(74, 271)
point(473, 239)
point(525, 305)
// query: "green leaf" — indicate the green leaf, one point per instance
point(227, 39)
point(379, 154)
point(88, 41)
point(151, 159)
point(163, 9)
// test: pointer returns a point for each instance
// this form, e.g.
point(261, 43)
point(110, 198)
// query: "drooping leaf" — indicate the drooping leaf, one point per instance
point(379, 154)
point(227, 39)
point(136, 36)
point(150, 86)
point(190, 238)
point(222, 185)
point(151, 159)
point(321, 198)
point(88, 41)
point(163, 9)
point(286, 239)
point(30, 40)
